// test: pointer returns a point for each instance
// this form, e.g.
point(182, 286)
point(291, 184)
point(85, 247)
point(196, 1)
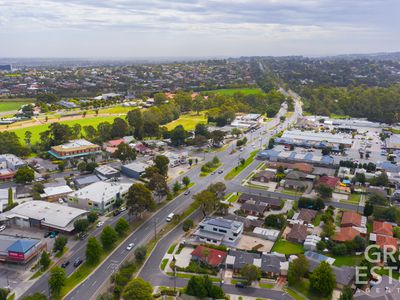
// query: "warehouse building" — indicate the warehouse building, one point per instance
point(134, 170)
point(43, 215)
point(314, 139)
point(75, 148)
point(294, 157)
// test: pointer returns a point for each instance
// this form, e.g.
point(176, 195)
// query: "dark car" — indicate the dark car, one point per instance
point(187, 192)
point(240, 285)
point(83, 236)
point(117, 212)
point(47, 234)
point(65, 264)
point(220, 171)
point(78, 262)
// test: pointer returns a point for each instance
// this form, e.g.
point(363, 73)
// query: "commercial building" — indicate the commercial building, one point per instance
point(393, 142)
point(247, 121)
point(44, 215)
point(11, 162)
point(19, 250)
point(314, 139)
point(81, 182)
point(293, 157)
point(135, 169)
point(54, 193)
point(106, 172)
point(219, 231)
point(99, 196)
point(75, 148)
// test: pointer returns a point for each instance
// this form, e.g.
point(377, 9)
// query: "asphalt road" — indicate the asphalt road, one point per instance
point(90, 286)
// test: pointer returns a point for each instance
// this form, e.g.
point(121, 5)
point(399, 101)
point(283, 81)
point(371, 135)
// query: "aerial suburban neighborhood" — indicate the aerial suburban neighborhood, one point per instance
point(188, 176)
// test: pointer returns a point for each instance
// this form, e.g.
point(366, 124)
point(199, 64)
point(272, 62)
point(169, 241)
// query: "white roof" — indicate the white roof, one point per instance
point(317, 136)
point(101, 191)
point(3, 194)
point(51, 214)
point(56, 190)
point(137, 166)
point(266, 232)
point(107, 170)
point(76, 144)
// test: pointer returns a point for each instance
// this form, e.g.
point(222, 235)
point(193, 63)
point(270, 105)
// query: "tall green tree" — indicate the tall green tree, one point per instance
point(24, 175)
point(297, 269)
point(159, 185)
point(108, 237)
point(178, 136)
point(162, 162)
point(56, 281)
point(119, 128)
point(60, 243)
point(10, 197)
point(125, 153)
point(250, 273)
point(322, 279)
point(207, 201)
point(93, 250)
point(139, 199)
point(122, 226)
point(138, 289)
point(45, 260)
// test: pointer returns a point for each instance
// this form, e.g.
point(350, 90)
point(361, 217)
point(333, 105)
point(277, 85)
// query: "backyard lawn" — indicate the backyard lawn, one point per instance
point(188, 121)
point(286, 247)
point(347, 260)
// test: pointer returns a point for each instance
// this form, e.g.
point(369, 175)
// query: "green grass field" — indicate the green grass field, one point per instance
point(286, 247)
point(188, 121)
point(347, 260)
point(114, 110)
point(231, 92)
point(11, 105)
point(37, 129)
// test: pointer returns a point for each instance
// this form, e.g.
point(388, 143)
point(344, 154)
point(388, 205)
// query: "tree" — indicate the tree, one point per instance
point(125, 153)
point(138, 289)
point(139, 199)
point(122, 226)
point(81, 225)
point(368, 209)
point(178, 136)
point(24, 175)
point(92, 217)
point(90, 131)
point(159, 185)
point(201, 129)
point(161, 162)
point(186, 181)
point(207, 201)
point(198, 104)
point(10, 197)
point(28, 136)
point(250, 273)
point(159, 98)
point(60, 243)
point(217, 137)
point(195, 287)
point(347, 294)
point(108, 237)
point(199, 141)
point(322, 279)
point(35, 296)
point(271, 143)
point(76, 129)
point(297, 269)
point(61, 166)
point(177, 186)
point(119, 128)
point(3, 294)
point(236, 132)
point(104, 131)
point(187, 225)
point(135, 120)
point(46, 98)
point(324, 191)
point(82, 166)
point(318, 204)
point(275, 221)
point(56, 281)
point(93, 250)
point(184, 100)
point(91, 166)
point(140, 253)
point(45, 260)
point(376, 199)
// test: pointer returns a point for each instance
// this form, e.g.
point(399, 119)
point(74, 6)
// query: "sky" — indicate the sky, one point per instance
point(196, 28)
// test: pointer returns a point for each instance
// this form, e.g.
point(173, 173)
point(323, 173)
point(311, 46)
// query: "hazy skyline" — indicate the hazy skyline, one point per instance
point(157, 28)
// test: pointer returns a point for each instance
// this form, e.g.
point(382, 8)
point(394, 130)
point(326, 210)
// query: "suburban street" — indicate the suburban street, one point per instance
point(89, 288)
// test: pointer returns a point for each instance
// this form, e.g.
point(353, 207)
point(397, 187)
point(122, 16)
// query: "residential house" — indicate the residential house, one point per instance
point(264, 176)
point(219, 231)
point(294, 184)
point(329, 181)
point(350, 218)
point(209, 256)
point(307, 215)
point(346, 234)
point(387, 288)
point(112, 145)
point(273, 203)
point(297, 234)
point(248, 223)
point(382, 235)
point(254, 208)
point(381, 191)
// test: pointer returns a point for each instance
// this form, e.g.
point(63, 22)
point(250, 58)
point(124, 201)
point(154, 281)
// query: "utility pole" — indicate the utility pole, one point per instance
point(174, 261)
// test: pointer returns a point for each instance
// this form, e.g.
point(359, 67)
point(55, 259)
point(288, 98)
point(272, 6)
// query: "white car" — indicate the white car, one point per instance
point(130, 246)
point(101, 223)
point(2, 227)
point(60, 201)
point(123, 208)
point(310, 225)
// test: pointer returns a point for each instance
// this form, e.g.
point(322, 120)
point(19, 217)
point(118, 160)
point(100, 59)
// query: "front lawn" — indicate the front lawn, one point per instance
point(317, 219)
point(286, 247)
point(266, 285)
point(171, 248)
point(232, 197)
point(303, 286)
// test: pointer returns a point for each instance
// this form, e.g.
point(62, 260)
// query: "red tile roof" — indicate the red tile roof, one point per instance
point(115, 143)
point(351, 218)
point(382, 228)
point(383, 240)
point(214, 258)
point(345, 234)
point(329, 181)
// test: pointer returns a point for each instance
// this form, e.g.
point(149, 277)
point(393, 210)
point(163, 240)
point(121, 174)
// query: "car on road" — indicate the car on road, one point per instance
point(65, 264)
point(169, 217)
point(47, 234)
point(221, 171)
point(213, 173)
point(130, 246)
point(116, 212)
point(240, 285)
point(2, 227)
point(187, 192)
point(53, 234)
point(83, 236)
point(101, 223)
point(78, 262)
point(123, 208)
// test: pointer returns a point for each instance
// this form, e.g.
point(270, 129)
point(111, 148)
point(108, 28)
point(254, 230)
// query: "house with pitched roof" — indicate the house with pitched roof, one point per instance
point(307, 215)
point(297, 234)
point(209, 256)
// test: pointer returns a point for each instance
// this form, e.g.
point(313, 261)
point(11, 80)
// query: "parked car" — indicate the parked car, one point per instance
point(78, 262)
point(169, 217)
point(60, 201)
point(47, 234)
point(53, 234)
point(65, 264)
point(240, 285)
point(117, 212)
point(123, 208)
point(187, 192)
point(99, 224)
point(2, 227)
point(130, 246)
point(221, 171)
point(83, 236)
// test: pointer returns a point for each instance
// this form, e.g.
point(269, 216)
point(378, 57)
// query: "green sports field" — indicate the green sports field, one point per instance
point(37, 129)
point(188, 121)
point(11, 105)
point(231, 92)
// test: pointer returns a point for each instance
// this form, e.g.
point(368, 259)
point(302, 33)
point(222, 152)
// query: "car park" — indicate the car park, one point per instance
point(78, 262)
point(65, 264)
point(130, 246)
